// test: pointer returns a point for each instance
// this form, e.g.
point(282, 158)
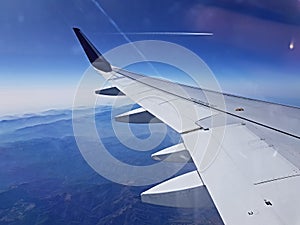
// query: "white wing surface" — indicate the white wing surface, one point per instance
point(246, 151)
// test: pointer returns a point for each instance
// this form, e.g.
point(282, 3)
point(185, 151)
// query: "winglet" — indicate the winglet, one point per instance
point(95, 57)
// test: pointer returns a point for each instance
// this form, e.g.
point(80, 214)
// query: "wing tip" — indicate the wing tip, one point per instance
point(94, 56)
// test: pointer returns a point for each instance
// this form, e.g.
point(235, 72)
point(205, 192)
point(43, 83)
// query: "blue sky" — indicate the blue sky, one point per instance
point(41, 61)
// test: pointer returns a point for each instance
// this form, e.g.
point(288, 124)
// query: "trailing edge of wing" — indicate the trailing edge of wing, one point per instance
point(94, 56)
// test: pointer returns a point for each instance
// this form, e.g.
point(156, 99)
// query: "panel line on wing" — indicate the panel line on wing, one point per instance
point(277, 179)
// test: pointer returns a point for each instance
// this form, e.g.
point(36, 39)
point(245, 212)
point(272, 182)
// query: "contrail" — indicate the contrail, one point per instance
point(115, 25)
point(124, 34)
point(168, 33)
point(120, 32)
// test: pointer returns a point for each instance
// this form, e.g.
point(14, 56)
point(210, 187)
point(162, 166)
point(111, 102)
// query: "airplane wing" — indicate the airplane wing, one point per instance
point(245, 150)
